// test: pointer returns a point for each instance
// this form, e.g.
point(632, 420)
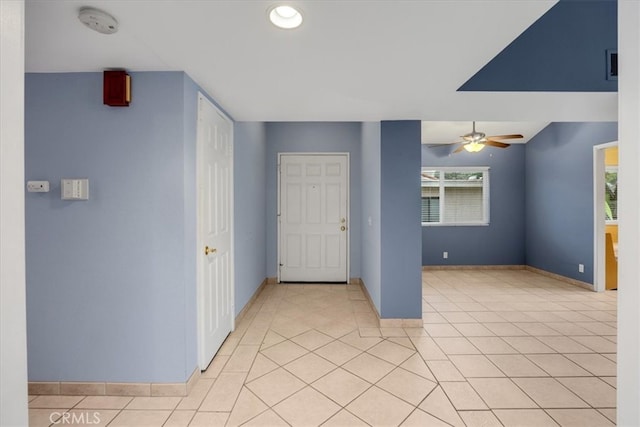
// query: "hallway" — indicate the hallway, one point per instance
point(498, 347)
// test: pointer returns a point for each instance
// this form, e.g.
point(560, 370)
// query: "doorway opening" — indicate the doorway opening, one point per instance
point(605, 216)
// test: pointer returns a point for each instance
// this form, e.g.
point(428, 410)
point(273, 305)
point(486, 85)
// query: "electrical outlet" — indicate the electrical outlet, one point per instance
point(445, 255)
point(580, 268)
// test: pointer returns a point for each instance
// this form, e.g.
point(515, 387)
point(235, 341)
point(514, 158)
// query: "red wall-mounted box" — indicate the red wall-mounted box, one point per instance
point(117, 88)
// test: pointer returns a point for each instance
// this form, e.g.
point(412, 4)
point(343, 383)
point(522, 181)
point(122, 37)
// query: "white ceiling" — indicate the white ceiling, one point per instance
point(352, 60)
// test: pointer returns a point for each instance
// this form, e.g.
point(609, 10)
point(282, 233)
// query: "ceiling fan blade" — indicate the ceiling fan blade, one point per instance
point(444, 145)
point(459, 149)
point(512, 136)
point(496, 143)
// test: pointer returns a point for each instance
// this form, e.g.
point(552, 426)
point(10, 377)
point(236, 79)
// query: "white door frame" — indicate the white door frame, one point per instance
point(599, 220)
point(200, 243)
point(13, 317)
point(348, 189)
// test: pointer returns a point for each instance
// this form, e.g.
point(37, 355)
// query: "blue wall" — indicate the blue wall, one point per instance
point(559, 197)
point(313, 137)
point(190, 120)
point(111, 280)
point(502, 241)
point(401, 276)
point(371, 247)
point(250, 175)
point(564, 50)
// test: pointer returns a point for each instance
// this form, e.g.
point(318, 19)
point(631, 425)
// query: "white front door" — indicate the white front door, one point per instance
point(313, 217)
point(215, 208)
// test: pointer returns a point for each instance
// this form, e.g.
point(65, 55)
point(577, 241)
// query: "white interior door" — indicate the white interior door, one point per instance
point(215, 208)
point(313, 217)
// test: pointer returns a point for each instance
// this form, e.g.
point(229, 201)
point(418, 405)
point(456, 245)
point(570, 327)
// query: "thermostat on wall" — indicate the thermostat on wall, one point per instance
point(75, 189)
point(38, 186)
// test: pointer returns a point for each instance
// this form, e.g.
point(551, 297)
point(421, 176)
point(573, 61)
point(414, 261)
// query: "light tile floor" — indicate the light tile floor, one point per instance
point(498, 347)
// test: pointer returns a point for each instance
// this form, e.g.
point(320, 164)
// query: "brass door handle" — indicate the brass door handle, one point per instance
point(208, 250)
point(343, 228)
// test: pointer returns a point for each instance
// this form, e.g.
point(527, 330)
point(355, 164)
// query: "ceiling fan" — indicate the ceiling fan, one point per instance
point(476, 141)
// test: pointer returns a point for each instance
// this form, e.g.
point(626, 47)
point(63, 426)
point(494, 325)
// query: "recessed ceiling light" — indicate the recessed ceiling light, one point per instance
point(284, 16)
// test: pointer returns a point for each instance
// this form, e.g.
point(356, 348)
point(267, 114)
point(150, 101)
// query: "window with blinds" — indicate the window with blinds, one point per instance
point(455, 196)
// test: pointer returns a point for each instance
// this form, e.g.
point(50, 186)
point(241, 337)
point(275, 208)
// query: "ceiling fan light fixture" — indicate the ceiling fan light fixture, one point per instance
point(476, 141)
point(285, 16)
point(474, 147)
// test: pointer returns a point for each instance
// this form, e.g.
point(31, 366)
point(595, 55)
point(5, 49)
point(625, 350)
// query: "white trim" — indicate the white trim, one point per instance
point(628, 368)
point(13, 321)
point(456, 169)
point(455, 224)
point(348, 189)
point(278, 216)
point(599, 222)
point(199, 243)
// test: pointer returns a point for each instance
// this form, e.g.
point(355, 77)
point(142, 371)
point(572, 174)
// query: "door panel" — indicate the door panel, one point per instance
point(314, 204)
point(334, 201)
point(314, 251)
point(313, 217)
point(294, 249)
point(293, 202)
point(333, 252)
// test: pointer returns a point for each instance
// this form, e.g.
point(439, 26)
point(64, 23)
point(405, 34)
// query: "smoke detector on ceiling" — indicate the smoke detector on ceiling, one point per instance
point(98, 20)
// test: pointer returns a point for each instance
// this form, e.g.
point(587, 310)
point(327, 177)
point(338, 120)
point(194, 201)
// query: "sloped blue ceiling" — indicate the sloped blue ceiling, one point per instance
point(563, 51)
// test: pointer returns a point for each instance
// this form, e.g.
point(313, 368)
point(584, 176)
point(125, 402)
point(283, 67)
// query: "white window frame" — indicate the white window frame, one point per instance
point(485, 195)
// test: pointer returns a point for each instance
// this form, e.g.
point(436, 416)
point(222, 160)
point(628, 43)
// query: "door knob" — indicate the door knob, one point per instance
point(343, 228)
point(208, 250)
